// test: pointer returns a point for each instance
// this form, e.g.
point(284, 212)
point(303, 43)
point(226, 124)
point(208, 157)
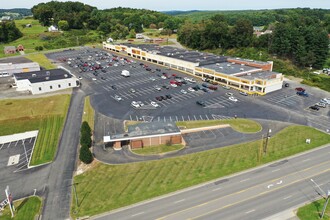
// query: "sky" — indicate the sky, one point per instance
point(167, 5)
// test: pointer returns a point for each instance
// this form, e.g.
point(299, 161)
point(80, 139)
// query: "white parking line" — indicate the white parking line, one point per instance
point(176, 118)
point(179, 201)
point(140, 213)
point(288, 197)
point(130, 117)
point(182, 117)
point(216, 189)
point(250, 211)
point(170, 118)
point(188, 118)
point(207, 117)
point(195, 118)
point(201, 117)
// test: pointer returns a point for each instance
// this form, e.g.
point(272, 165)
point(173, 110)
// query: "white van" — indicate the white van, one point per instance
point(125, 73)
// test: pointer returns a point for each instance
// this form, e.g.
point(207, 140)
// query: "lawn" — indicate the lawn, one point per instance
point(20, 115)
point(41, 59)
point(121, 185)
point(26, 209)
point(313, 211)
point(88, 113)
point(239, 124)
point(159, 149)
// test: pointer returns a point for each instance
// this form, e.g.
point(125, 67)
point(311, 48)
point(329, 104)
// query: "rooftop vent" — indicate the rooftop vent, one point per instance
point(218, 64)
point(181, 56)
point(241, 69)
point(47, 78)
point(34, 75)
point(47, 73)
point(233, 63)
point(249, 74)
point(66, 75)
point(228, 64)
point(221, 67)
point(242, 64)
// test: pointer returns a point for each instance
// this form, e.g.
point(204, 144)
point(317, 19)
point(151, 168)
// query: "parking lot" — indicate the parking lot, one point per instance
point(15, 156)
point(113, 94)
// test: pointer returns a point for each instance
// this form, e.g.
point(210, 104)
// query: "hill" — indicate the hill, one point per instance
point(175, 12)
point(16, 13)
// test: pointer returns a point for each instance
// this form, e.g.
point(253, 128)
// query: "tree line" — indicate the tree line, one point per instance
point(9, 32)
point(300, 38)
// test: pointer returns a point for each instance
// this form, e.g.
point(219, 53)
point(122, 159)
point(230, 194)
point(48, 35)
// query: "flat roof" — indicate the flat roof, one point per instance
point(43, 75)
point(261, 75)
point(145, 130)
point(229, 68)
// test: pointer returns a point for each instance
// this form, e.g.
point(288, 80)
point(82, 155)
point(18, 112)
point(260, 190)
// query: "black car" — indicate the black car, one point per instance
point(102, 78)
point(165, 87)
point(314, 107)
point(159, 98)
point(168, 96)
point(202, 103)
point(114, 87)
point(158, 70)
point(148, 69)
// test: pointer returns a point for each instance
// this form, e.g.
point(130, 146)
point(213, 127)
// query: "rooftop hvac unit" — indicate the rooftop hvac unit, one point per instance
point(242, 64)
point(47, 78)
point(47, 73)
point(66, 75)
point(181, 56)
point(241, 69)
point(233, 63)
point(221, 67)
point(228, 64)
point(218, 64)
point(34, 75)
point(249, 74)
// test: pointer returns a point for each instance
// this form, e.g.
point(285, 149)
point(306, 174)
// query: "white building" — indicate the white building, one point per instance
point(8, 69)
point(52, 29)
point(45, 81)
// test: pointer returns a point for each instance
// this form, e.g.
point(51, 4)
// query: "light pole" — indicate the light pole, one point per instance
point(318, 187)
point(325, 204)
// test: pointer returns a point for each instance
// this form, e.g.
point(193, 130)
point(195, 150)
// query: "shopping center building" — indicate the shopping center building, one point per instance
point(253, 77)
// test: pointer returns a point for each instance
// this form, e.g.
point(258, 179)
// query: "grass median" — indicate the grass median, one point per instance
point(120, 185)
point(41, 59)
point(239, 124)
point(26, 209)
point(89, 113)
point(313, 211)
point(159, 149)
point(44, 114)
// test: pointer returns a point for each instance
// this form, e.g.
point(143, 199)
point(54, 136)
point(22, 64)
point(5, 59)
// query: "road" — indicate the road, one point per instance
point(256, 194)
point(59, 181)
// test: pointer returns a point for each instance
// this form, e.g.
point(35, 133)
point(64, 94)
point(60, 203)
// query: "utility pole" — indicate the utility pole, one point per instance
point(76, 196)
point(266, 143)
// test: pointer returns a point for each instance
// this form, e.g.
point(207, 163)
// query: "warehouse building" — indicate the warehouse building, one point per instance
point(146, 134)
point(253, 77)
point(44, 81)
point(8, 69)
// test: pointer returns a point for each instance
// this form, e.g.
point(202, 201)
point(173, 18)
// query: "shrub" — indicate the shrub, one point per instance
point(85, 155)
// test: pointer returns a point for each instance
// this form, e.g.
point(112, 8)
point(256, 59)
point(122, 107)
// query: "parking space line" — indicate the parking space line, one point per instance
point(207, 117)
point(201, 117)
point(182, 117)
point(176, 118)
point(195, 118)
point(188, 118)
point(164, 119)
point(130, 116)
point(170, 118)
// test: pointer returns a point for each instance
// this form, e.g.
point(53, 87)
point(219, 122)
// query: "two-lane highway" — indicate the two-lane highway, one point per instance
point(256, 194)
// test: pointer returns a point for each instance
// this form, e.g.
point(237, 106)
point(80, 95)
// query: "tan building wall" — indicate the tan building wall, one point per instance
point(145, 142)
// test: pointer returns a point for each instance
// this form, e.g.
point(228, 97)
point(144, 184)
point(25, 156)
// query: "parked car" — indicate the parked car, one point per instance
point(321, 104)
point(202, 103)
point(325, 100)
point(243, 93)
point(159, 98)
point(226, 87)
point(114, 87)
point(157, 88)
point(173, 85)
point(154, 104)
point(132, 90)
point(140, 103)
point(300, 89)
point(302, 93)
point(165, 87)
point(229, 94)
point(118, 98)
point(190, 89)
point(152, 79)
point(163, 77)
point(232, 98)
point(168, 96)
point(135, 104)
point(314, 107)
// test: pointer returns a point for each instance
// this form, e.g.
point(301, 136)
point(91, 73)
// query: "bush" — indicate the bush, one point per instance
point(39, 48)
point(85, 128)
point(85, 155)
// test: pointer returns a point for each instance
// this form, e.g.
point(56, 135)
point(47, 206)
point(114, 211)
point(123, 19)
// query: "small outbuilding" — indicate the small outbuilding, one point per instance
point(20, 48)
point(53, 28)
point(9, 50)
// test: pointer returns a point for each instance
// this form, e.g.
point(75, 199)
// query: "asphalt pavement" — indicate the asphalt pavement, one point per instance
point(255, 194)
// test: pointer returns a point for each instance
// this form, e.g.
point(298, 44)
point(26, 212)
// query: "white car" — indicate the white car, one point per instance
point(152, 79)
point(163, 77)
point(192, 80)
point(183, 91)
point(186, 78)
point(232, 98)
point(321, 104)
point(135, 104)
point(118, 98)
point(191, 89)
point(174, 85)
point(158, 88)
point(229, 94)
point(140, 103)
point(325, 100)
point(94, 79)
point(154, 104)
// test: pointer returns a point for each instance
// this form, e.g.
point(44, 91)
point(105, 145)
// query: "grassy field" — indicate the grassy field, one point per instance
point(239, 124)
point(41, 59)
point(159, 149)
point(121, 185)
point(20, 115)
point(313, 211)
point(89, 113)
point(26, 209)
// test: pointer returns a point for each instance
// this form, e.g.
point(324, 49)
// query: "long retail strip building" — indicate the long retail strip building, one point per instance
point(251, 76)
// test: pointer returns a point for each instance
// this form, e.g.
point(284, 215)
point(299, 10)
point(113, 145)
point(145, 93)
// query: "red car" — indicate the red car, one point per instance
point(299, 89)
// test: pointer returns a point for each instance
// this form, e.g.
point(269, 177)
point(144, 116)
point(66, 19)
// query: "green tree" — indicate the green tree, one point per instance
point(85, 155)
point(63, 25)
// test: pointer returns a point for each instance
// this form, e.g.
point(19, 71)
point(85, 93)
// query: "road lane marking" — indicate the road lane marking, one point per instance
point(244, 180)
point(253, 187)
point(216, 189)
point(288, 197)
point(306, 160)
point(179, 201)
point(250, 211)
point(140, 213)
point(275, 170)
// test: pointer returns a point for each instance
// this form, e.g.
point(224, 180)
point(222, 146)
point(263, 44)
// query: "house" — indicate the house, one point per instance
point(53, 29)
point(44, 81)
point(9, 50)
point(5, 18)
point(28, 25)
point(20, 48)
point(139, 36)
